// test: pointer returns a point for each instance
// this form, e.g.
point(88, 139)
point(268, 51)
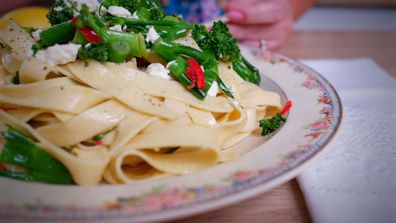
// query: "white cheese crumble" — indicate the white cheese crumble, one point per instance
point(213, 90)
point(236, 103)
point(233, 89)
point(93, 5)
point(59, 54)
point(36, 35)
point(119, 11)
point(212, 121)
point(152, 35)
point(58, 9)
point(158, 70)
point(116, 28)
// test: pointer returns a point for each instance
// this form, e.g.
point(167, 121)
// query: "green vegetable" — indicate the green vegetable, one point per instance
point(121, 44)
point(270, 125)
point(30, 30)
point(20, 150)
point(60, 12)
point(100, 136)
point(175, 32)
point(145, 9)
point(96, 51)
point(37, 47)
point(58, 34)
point(178, 69)
point(220, 42)
point(165, 23)
point(170, 51)
point(224, 88)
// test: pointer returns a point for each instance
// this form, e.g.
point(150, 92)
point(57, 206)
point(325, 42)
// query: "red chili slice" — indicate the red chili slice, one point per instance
point(195, 73)
point(90, 35)
point(286, 108)
point(74, 20)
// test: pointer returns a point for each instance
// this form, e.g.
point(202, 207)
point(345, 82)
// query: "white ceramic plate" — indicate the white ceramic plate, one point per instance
point(311, 124)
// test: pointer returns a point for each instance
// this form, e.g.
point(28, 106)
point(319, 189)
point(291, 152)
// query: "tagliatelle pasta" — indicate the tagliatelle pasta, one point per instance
point(116, 123)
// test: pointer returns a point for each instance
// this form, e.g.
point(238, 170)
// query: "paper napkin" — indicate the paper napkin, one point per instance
point(355, 179)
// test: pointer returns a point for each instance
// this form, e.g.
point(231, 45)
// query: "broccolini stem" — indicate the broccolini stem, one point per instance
point(169, 51)
point(58, 34)
point(178, 69)
point(245, 70)
point(136, 22)
point(173, 33)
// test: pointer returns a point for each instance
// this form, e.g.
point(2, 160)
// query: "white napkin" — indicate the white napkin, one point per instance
point(355, 179)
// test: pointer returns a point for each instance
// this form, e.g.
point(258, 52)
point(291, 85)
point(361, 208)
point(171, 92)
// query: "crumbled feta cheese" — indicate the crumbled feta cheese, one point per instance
point(88, 45)
point(119, 11)
point(36, 35)
point(93, 5)
point(213, 90)
point(58, 9)
point(236, 103)
point(152, 35)
point(212, 121)
point(233, 89)
point(116, 28)
point(157, 69)
point(135, 15)
point(59, 54)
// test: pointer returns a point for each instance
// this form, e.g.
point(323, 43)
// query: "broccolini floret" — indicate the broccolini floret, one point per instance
point(270, 125)
point(60, 12)
point(220, 42)
point(96, 51)
point(145, 9)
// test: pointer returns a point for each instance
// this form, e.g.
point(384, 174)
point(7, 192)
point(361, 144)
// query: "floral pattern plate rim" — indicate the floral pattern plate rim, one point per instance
point(312, 123)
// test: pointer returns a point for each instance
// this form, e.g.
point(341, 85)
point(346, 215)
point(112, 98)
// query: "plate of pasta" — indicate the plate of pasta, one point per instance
point(118, 112)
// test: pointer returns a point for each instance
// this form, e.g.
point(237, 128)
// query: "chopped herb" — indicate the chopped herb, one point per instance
point(272, 124)
point(30, 30)
point(100, 136)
